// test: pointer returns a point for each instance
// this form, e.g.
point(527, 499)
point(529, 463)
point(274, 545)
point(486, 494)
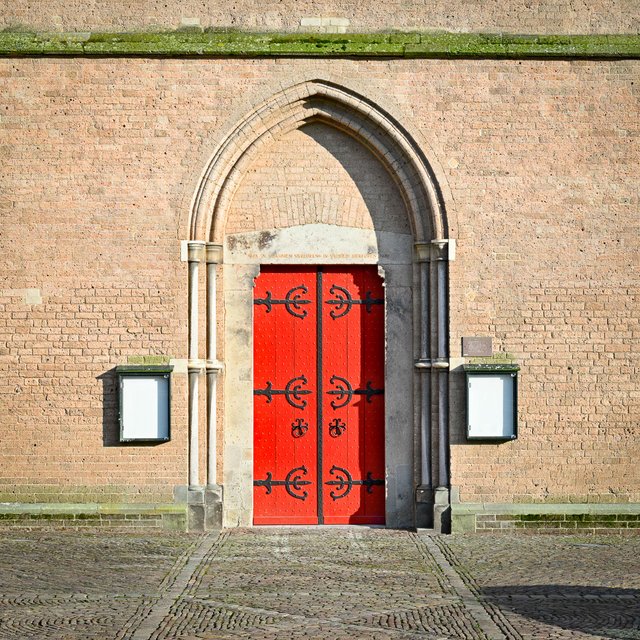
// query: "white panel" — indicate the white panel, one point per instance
point(145, 408)
point(491, 406)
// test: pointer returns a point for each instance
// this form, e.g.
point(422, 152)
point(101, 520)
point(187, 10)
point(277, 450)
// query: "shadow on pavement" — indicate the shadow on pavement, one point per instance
point(600, 611)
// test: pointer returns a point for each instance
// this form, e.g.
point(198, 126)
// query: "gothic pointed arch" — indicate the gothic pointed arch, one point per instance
point(319, 101)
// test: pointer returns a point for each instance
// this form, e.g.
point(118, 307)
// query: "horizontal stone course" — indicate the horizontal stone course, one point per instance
point(411, 45)
point(591, 523)
point(171, 517)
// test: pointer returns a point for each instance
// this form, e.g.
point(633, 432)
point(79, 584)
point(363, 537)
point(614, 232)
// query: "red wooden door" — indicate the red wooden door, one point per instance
point(319, 396)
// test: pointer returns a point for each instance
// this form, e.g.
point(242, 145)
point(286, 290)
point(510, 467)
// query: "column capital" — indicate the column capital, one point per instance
point(443, 249)
point(213, 366)
point(425, 364)
point(196, 366)
point(435, 250)
point(213, 253)
point(195, 251)
point(422, 252)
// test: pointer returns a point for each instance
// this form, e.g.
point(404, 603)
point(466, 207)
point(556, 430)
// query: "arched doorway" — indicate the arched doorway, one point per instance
point(317, 176)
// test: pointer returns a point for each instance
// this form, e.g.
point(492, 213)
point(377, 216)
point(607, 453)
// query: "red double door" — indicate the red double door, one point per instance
point(319, 396)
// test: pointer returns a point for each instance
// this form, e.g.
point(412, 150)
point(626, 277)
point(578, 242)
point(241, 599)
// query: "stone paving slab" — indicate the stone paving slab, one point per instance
point(316, 583)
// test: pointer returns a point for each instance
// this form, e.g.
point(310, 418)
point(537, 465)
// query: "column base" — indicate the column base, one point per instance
point(195, 509)
point(213, 507)
point(442, 510)
point(424, 507)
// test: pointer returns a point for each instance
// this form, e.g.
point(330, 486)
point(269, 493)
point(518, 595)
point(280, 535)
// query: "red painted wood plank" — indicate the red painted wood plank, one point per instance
point(284, 422)
point(288, 451)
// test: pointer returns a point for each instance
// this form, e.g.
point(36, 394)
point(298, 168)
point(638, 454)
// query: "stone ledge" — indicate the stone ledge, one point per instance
point(88, 508)
point(546, 518)
point(249, 44)
point(73, 515)
point(541, 507)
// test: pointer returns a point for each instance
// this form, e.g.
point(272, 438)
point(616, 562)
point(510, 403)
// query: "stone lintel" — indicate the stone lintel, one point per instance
point(66, 508)
point(191, 41)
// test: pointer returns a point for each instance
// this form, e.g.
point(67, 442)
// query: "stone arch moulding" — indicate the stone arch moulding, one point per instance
point(423, 471)
point(318, 100)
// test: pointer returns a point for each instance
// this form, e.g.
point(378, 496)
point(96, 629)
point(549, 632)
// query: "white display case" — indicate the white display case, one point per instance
point(492, 401)
point(144, 403)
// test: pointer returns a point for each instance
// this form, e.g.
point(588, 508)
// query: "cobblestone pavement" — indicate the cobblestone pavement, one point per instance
point(316, 583)
point(554, 587)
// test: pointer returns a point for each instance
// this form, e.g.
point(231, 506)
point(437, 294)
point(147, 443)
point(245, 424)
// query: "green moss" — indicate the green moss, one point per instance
point(224, 43)
point(174, 522)
point(592, 517)
point(580, 521)
point(501, 357)
point(148, 359)
point(539, 517)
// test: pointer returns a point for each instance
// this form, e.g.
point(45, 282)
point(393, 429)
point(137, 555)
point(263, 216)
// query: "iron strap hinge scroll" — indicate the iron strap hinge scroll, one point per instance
point(343, 301)
point(291, 301)
point(344, 482)
point(292, 483)
point(291, 392)
point(345, 392)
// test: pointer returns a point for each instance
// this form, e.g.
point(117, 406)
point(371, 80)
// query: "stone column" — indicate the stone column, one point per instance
point(424, 492)
point(195, 493)
point(213, 491)
point(432, 503)
point(440, 255)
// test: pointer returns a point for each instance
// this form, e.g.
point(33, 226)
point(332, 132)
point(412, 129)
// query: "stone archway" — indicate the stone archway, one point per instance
point(412, 257)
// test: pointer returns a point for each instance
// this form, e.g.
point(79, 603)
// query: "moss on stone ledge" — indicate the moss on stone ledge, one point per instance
point(189, 43)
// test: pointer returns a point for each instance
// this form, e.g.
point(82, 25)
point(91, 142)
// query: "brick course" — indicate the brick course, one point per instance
point(317, 175)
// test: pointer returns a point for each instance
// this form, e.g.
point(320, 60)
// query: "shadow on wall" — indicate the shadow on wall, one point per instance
point(379, 193)
point(110, 424)
point(598, 611)
point(110, 410)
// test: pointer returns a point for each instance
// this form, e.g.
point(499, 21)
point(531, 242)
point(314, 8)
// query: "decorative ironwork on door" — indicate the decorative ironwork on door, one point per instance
point(319, 396)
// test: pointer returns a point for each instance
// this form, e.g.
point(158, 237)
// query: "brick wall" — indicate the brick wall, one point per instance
point(317, 175)
point(537, 162)
point(512, 16)
point(580, 524)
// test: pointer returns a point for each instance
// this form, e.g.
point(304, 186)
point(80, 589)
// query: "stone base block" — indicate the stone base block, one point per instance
point(138, 517)
point(213, 507)
point(204, 508)
point(424, 507)
point(442, 510)
point(195, 509)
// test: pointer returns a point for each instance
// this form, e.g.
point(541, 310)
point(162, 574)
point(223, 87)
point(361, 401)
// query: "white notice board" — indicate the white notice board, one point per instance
point(491, 410)
point(144, 406)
